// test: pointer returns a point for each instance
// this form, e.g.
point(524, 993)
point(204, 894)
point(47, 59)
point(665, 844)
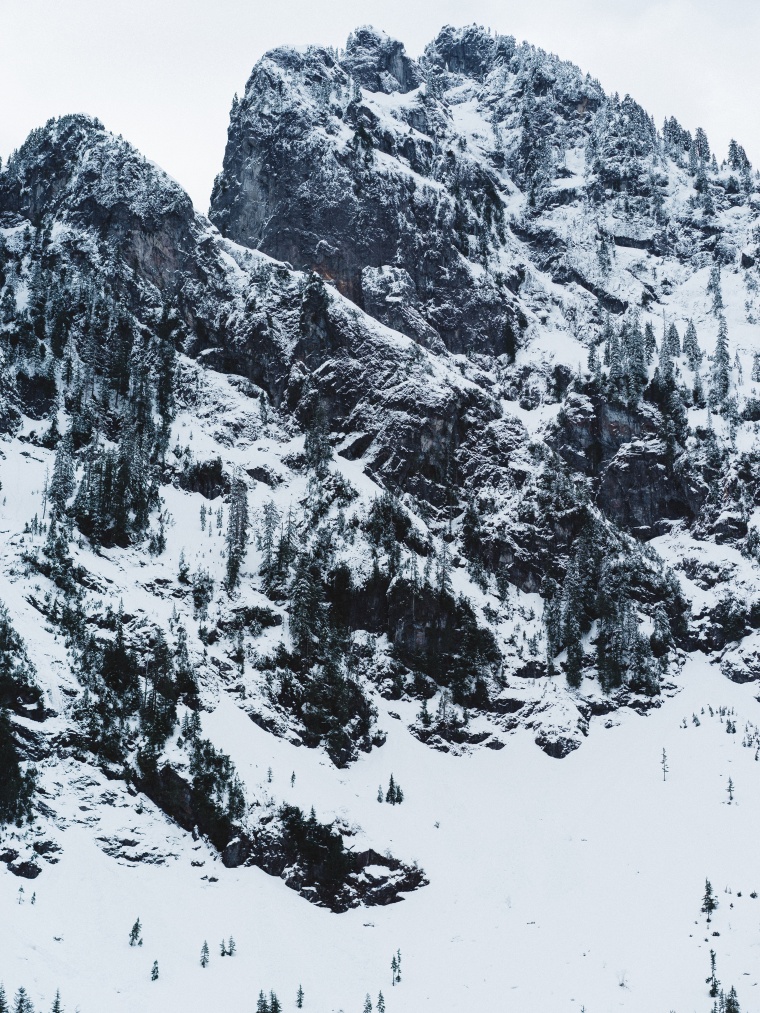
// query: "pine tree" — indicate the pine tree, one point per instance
point(650, 343)
point(134, 933)
point(154, 971)
point(22, 1003)
point(673, 341)
point(664, 764)
point(721, 369)
point(381, 1003)
point(730, 791)
point(262, 1006)
point(691, 347)
point(274, 1003)
point(204, 954)
point(271, 519)
point(317, 448)
point(299, 998)
point(62, 483)
point(57, 1007)
point(713, 980)
point(732, 1002)
point(307, 608)
point(714, 289)
point(394, 969)
point(367, 1005)
point(237, 530)
point(379, 793)
point(3, 1001)
point(223, 948)
point(231, 947)
point(709, 901)
point(390, 795)
point(572, 637)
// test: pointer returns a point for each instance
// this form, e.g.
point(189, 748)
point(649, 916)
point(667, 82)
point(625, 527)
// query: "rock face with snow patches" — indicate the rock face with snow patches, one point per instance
point(440, 436)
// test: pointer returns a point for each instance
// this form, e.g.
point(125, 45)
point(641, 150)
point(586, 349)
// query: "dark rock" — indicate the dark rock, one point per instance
point(26, 870)
point(206, 477)
point(557, 746)
point(380, 63)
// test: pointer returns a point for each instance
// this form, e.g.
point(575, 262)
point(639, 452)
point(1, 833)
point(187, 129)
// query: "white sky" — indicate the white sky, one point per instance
point(163, 72)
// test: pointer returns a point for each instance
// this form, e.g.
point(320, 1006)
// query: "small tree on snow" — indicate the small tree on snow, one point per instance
point(730, 790)
point(135, 934)
point(367, 1005)
point(664, 764)
point(204, 954)
point(709, 901)
point(712, 981)
point(299, 998)
point(154, 971)
point(231, 947)
point(381, 1003)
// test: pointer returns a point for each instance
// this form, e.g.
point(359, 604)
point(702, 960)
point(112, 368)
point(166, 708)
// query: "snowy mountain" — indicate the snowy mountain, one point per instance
point(333, 527)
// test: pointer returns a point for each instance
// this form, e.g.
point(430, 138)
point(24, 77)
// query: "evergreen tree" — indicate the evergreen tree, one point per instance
point(154, 971)
point(732, 1002)
point(62, 483)
point(691, 347)
point(714, 289)
point(17, 786)
point(307, 608)
point(574, 663)
point(231, 947)
point(367, 1005)
point(713, 980)
point(721, 369)
point(22, 1003)
point(56, 1007)
point(237, 530)
point(135, 934)
point(650, 343)
point(317, 448)
point(390, 795)
point(3, 1001)
point(204, 954)
point(709, 901)
point(274, 1003)
point(673, 341)
point(299, 998)
point(380, 1003)
point(271, 518)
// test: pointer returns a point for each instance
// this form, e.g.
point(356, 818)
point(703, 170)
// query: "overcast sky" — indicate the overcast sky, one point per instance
point(163, 72)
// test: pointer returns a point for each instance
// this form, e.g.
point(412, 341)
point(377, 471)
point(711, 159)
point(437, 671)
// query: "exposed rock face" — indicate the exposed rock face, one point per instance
point(334, 184)
point(380, 63)
point(638, 484)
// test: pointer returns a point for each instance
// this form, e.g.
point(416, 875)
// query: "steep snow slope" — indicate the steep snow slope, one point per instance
point(553, 885)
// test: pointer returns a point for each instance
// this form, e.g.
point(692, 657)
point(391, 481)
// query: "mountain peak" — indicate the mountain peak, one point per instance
point(379, 63)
